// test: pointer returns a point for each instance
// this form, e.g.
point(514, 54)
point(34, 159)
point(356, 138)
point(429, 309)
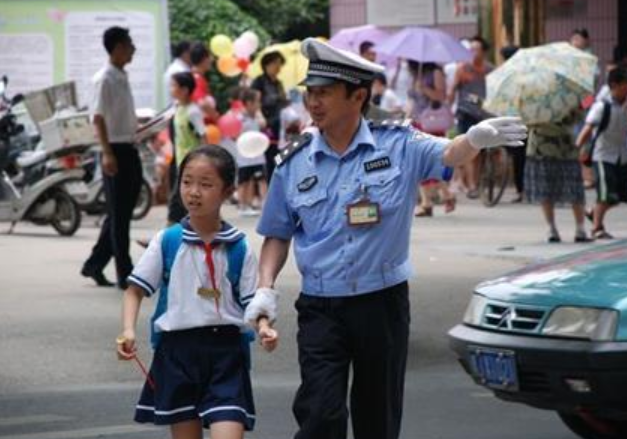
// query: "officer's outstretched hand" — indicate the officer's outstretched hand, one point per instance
point(264, 304)
point(498, 131)
point(268, 336)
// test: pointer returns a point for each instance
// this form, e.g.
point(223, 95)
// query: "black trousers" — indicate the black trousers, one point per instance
point(121, 192)
point(519, 155)
point(368, 333)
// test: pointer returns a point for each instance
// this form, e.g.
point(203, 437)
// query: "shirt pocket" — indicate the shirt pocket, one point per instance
point(312, 210)
point(385, 187)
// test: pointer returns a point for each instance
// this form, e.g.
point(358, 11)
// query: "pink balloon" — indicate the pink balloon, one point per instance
point(243, 47)
point(230, 125)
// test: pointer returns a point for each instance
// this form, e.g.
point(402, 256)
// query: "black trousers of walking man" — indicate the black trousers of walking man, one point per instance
point(121, 192)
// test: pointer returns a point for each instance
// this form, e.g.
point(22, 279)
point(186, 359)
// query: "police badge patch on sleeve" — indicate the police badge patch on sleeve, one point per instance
point(307, 183)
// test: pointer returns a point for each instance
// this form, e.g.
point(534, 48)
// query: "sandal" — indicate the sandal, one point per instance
point(601, 234)
point(583, 238)
point(424, 212)
point(449, 204)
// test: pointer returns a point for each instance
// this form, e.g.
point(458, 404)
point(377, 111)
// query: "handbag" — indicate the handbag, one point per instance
point(436, 119)
point(471, 105)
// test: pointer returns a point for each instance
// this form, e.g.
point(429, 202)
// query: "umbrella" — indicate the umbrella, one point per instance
point(541, 84)
point(295, 68)
point(424, 45)
point(351, 37)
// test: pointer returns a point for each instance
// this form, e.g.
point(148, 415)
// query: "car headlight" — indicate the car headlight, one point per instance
point(474, 310)
point(591, 323)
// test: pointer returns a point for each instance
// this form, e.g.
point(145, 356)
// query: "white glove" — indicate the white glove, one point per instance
point(498, 131)
point(264, 304)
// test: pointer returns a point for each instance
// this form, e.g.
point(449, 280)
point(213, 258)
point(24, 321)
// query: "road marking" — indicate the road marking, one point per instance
point(474, 395)
point(29, 420)
point(84, 433)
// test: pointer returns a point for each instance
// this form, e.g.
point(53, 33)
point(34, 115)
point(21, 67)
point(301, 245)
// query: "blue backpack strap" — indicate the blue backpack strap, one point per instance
point(170, 243)
point(236, 255)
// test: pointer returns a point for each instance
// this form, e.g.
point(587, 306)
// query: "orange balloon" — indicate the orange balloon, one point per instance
point(213, 134)
point(227, 65)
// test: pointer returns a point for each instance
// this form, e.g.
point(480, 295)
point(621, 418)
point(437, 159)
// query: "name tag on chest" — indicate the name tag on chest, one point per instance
point(377, 164)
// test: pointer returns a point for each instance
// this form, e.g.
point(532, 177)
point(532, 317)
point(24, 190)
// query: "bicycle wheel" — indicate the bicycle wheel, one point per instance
point(493, 175)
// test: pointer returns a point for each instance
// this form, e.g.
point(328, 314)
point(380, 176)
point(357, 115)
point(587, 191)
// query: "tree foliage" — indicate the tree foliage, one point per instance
point(288, 19)
point(202, 19)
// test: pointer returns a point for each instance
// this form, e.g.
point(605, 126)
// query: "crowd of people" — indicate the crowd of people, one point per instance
point(445, 101)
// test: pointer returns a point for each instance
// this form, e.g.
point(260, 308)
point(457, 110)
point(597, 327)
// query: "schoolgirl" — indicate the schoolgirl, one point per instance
point(206, 274)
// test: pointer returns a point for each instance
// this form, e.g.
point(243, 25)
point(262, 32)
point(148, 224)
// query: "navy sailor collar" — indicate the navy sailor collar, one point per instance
point(227, 234)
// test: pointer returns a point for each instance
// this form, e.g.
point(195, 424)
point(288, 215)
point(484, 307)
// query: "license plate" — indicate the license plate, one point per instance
point(494, 368)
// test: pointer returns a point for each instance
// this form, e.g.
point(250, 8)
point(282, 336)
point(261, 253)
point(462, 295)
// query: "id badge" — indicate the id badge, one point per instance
point(363, 213)
point(208, 293)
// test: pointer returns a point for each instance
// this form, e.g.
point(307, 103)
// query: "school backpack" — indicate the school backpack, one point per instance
point(587, 153)
point(172, 239)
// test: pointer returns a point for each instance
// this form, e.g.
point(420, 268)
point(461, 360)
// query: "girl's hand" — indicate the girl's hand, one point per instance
point(126, 345)
point(269, 337)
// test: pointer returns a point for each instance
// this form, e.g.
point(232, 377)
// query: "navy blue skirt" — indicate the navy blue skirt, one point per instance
point(199, 373)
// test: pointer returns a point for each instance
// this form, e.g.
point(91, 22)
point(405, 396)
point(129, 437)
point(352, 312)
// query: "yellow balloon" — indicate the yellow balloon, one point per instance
point(221, 45)
point(227, 65)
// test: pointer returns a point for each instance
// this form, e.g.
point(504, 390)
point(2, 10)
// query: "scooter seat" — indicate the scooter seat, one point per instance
point(31, 158)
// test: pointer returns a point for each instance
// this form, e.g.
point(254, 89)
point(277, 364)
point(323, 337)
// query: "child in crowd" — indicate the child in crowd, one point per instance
point(189, 132)
point(252, 171)
point(607, 119)
point(199, 376)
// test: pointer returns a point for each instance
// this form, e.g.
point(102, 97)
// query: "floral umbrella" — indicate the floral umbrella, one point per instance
point(541, 84)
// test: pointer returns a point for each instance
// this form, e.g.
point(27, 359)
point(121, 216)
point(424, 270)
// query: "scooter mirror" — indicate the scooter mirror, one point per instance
point(17, 99)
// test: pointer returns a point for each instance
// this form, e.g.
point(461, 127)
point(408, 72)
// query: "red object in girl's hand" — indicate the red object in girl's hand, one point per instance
point(149, 379)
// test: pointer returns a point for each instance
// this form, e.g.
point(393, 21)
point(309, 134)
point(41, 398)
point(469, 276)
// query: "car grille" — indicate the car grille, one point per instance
point(513, 318)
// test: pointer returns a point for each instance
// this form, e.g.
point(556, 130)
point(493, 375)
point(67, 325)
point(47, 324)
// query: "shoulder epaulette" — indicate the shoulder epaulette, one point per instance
point(390, 123)
point(292, 148)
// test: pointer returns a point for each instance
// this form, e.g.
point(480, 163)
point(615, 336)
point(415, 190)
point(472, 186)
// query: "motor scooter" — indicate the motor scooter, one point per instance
point(27, 192)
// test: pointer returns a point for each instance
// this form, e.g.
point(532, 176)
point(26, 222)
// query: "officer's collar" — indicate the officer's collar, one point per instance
point(363, 138)
point(227, 234)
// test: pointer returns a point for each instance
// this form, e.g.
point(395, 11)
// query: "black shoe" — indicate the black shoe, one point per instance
point(554, 239)
point(583, 239)
point(97, 276)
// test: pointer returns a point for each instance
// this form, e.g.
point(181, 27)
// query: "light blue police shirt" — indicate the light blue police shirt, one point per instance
point(310, 192)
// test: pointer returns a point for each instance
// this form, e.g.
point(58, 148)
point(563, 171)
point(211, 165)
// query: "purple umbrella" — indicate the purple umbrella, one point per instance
point(424, 45)
point(351, 37)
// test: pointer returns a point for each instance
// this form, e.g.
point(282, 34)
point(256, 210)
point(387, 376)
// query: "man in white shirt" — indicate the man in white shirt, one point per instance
point(181, 62)
point(113, 112)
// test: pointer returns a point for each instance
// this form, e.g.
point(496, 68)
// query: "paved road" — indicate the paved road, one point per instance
point(59, 377)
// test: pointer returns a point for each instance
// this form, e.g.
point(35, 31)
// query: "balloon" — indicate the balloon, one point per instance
point(252, 144)
point(213, 134)
point(230, 125)
point(243, 47)
point(221, 45)
point(243, 64)
point(227, 65)
point(252, 38)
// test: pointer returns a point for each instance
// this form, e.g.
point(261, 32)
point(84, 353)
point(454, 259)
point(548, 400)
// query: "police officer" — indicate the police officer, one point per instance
point(345, 194)
point(114, 118)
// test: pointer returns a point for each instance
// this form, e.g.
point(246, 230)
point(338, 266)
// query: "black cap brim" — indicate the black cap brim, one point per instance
point(318, 81)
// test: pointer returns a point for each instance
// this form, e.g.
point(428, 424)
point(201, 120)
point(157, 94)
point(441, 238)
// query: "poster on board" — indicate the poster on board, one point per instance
point(43, 43)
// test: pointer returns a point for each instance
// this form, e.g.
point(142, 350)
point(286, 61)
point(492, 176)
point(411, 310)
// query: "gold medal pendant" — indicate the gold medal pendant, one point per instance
point(208, 293)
